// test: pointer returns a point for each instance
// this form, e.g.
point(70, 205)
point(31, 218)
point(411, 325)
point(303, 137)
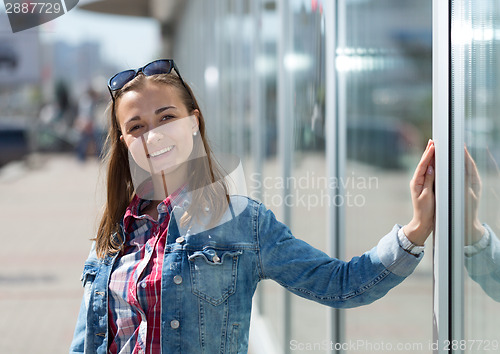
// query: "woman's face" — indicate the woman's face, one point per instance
point(156, 127)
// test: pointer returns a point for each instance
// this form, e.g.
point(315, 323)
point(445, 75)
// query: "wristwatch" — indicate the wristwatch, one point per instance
point(407, 245)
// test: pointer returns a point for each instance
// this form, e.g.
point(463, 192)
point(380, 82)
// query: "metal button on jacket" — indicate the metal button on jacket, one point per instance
point(179, 239)
point(174, 324)
point(177, 279)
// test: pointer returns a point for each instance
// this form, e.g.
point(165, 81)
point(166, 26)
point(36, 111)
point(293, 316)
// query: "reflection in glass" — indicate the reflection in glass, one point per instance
point(481, 246)
point(476, 88)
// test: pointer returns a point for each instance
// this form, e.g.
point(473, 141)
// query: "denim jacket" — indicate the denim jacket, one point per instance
point(207, 309)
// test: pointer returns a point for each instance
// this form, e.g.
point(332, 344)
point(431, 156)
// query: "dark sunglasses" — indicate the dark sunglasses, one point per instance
point(162, 66)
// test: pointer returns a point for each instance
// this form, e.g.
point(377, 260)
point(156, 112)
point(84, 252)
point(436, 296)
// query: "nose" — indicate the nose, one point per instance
point(154, 137)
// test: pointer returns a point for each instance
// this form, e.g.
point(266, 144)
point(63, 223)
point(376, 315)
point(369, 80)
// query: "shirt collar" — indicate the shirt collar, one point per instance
point(134, 209)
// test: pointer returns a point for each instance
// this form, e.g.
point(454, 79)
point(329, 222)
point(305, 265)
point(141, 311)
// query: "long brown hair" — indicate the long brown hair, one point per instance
point(205, 179)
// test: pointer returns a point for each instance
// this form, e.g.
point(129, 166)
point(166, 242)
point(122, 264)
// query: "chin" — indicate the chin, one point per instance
point(166, 169)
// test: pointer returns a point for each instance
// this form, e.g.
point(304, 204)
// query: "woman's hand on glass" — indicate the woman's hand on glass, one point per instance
point(423, 200)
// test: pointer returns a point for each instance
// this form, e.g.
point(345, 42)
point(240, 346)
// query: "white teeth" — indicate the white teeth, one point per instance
point(162, 151)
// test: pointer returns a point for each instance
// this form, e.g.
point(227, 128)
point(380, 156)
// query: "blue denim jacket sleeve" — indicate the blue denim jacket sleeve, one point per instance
point(312, 274)
point(77, 345)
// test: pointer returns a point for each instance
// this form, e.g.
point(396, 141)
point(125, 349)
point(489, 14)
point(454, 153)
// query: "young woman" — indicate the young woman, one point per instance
point(177, 259)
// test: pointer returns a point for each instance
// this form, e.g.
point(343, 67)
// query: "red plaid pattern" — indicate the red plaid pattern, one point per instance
point(135, 284)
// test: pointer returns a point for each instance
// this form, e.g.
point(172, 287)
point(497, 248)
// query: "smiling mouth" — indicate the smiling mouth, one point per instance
point(162, 151)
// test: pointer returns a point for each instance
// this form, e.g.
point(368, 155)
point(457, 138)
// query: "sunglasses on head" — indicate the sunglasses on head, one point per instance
point(162, 66)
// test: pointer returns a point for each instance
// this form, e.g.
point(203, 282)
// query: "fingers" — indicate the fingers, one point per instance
point(425, 161)
point(422, 194)
point(430, 175)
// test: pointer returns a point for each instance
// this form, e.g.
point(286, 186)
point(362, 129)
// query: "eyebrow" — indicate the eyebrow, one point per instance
point(158, 111)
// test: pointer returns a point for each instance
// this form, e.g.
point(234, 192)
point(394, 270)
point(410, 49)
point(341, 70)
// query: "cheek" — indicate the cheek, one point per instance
point(138, 154)
point(182, 135)
point(188, 142)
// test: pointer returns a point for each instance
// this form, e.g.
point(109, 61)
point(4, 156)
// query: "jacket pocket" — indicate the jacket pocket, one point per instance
point(88, 275)
point(214, 274)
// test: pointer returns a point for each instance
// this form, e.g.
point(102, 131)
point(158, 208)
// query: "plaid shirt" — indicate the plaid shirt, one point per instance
point(135, 283)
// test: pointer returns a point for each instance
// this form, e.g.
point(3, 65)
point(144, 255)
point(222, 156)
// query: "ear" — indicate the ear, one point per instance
point(122, 139)
point(196, 120)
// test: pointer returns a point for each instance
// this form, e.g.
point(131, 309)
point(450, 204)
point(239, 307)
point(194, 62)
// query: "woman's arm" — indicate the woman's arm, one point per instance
point(78, 342)
point(312, 274)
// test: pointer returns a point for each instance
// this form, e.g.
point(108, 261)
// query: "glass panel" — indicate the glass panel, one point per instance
point(265, 124)
point(384, 59)
point(308, 193)
point(476, 88)
point(235, 80)
point(386, 63)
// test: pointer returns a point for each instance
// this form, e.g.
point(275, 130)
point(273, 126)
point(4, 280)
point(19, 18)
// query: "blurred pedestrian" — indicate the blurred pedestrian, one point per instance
point(63, 103)
point(177, 259)
point(85, 125)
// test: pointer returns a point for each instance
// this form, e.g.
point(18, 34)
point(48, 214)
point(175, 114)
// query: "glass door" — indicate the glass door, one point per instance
point(383, 62)
point(475, 160)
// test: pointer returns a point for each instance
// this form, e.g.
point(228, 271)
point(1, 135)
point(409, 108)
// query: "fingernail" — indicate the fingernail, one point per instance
point(430, 170)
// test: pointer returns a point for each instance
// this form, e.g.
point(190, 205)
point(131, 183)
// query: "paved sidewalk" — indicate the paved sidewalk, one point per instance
point(49, 212)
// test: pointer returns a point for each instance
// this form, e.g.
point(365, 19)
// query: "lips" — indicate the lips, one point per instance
point(162, 151)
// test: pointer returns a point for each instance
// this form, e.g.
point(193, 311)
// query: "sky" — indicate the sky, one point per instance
point(125, 41)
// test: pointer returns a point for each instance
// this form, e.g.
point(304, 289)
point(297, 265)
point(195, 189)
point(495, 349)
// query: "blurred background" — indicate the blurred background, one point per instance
point(332, 159)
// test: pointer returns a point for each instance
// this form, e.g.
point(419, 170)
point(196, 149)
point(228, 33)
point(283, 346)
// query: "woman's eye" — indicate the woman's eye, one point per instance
point(135, 127)
point(168, 117)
